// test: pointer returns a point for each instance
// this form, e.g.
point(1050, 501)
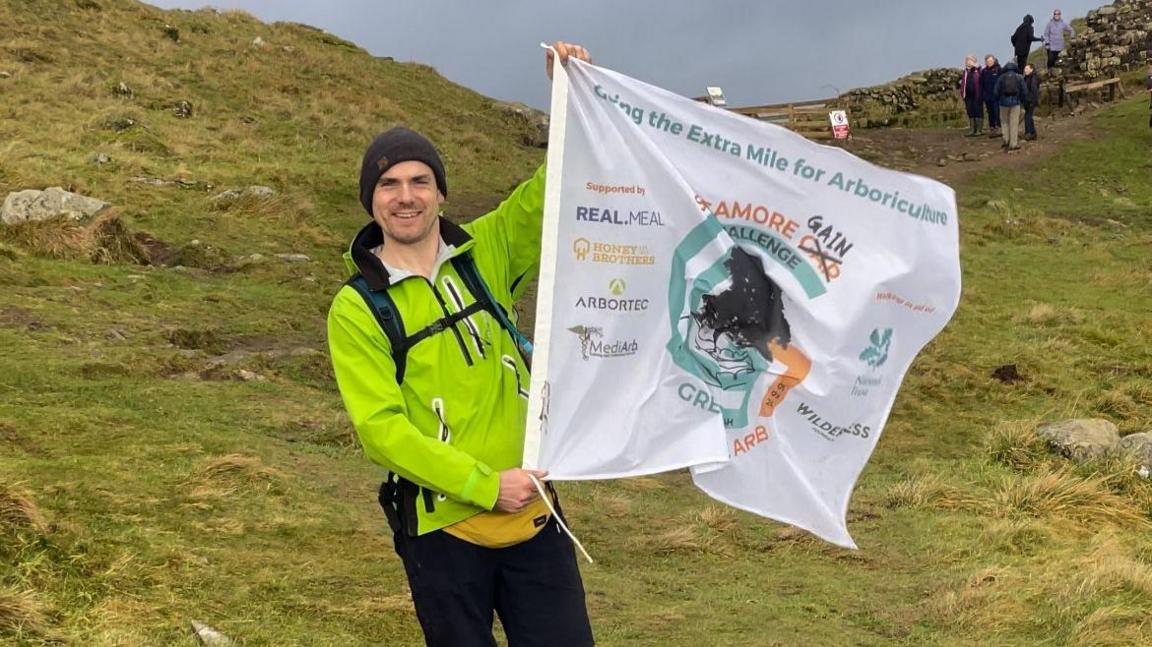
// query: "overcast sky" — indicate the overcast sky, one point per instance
point(757, 51)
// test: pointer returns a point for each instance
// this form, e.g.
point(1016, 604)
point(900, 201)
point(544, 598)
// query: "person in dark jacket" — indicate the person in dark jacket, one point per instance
point(988, 77)
point(1032, 99)
point(970, 93)
point(1022, 40)
point(1010, 93)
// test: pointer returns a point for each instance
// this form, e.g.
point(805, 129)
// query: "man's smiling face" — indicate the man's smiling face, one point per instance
point(406, 203)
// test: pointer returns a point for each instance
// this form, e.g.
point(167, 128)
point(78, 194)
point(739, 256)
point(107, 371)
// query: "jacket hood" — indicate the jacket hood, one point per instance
point(1010, 66)
point(1028, 19)
point(361, 259)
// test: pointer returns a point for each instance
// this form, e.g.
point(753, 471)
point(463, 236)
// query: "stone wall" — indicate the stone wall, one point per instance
point(1117, 39)
point(922, 98)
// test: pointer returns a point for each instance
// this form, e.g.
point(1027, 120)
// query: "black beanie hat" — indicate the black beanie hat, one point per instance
point(391, 148)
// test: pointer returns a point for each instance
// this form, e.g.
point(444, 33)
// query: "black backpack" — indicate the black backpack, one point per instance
point(1010, 84)
point(388, 317)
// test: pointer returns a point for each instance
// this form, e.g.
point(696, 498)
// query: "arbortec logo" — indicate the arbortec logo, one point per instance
point(594, 251)
point(828, 430)
point(591, 344)
point(642, 218)
point(614, 303)
point(874, 356)
point(729, 327)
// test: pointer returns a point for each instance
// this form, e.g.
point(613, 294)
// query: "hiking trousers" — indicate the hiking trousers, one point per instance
point(1010, 120)
point(534, 586)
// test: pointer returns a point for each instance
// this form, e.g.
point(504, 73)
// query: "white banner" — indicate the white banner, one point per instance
point(722, 294)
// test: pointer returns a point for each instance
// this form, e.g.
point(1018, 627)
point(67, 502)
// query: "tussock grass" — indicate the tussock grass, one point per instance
point(924, 491)
point(1016, 444)
point(233, 474)
point(103, 240)
point(1061, 493)
point(17, 509)
point(21, 614)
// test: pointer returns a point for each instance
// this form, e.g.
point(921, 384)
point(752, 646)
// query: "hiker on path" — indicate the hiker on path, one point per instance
point(988, 77)
point(434, 381)
point(1054, 37)
point(1011, 92)
point(970, 93)
point(1022, 40)
point(1031, 100)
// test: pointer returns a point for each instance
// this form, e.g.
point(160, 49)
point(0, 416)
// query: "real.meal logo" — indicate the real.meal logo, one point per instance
point(641, 218)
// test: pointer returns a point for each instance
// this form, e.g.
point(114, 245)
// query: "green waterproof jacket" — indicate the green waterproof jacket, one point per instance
point(457, 418)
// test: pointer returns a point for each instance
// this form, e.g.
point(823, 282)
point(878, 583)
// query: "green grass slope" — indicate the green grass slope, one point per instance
point(172, 447)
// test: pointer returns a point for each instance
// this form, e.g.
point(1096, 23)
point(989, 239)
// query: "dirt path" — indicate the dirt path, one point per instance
point(945, 154)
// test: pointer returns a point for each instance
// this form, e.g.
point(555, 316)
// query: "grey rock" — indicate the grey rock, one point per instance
point(255, 191)
point(258, 42)
point(1081, 439)
point(1140, 446)
point(5, 74)
point(536, 122)
point(122, 90)
point(183, 109)
point(54, 202)
point(209, 636)
point(171, 33)
point(102, 159)
point(293, 258)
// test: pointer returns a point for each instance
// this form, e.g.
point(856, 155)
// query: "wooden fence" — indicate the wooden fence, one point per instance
point(808, 118)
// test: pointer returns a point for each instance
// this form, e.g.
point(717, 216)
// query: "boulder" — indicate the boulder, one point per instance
point(255, 191)
point(1081, 439)
point(1140, 446)
point(55, 202)
point(535, 120)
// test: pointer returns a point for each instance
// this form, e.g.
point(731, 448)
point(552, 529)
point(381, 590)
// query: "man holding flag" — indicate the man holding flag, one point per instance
point(431, 373)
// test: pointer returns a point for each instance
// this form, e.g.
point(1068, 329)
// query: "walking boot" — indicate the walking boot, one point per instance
point(973, 128)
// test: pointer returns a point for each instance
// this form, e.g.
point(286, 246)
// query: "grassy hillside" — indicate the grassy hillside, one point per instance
point(172, 447)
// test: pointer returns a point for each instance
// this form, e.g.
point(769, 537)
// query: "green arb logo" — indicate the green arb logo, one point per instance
point(877, 352)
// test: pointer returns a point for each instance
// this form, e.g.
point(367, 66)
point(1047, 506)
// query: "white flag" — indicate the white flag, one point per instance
point(723, 294)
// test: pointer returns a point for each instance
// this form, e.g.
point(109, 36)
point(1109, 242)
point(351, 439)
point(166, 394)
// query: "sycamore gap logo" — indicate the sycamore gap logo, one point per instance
point(877, 352)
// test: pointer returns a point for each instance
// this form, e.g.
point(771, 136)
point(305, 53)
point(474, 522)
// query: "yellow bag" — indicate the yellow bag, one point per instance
point(497, 529)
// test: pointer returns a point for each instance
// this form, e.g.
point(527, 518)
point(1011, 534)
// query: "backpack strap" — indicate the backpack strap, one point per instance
point(466, 268)
point(383, 308)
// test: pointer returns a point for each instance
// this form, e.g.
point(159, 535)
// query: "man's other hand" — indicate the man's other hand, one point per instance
point(566, 51)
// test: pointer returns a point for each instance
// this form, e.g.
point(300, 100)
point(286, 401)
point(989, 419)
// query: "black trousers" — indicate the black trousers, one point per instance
point(1022, 60)
point(1052, 56)
point(534, 586)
